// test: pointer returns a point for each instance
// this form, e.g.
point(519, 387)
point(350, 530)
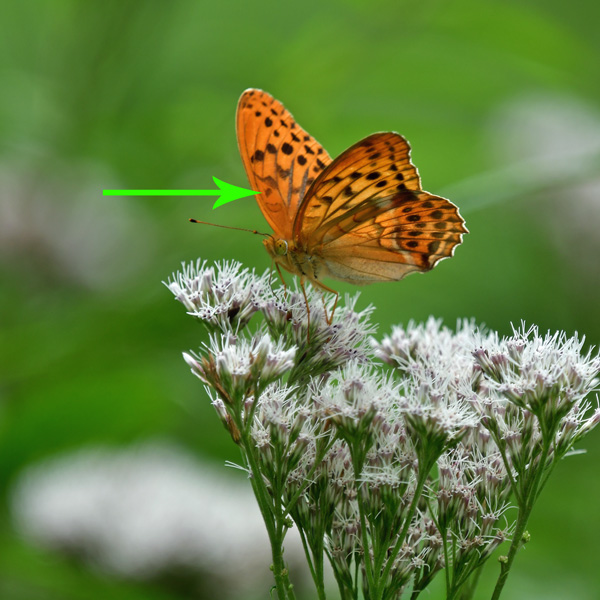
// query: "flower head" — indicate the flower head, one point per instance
point(223, 297)
point(355, 399)
point(431, 346)
point(283, 424)
point(547, 376)
point(235, 366)
point(436, 414)
point(323, 343)
point(395, 473)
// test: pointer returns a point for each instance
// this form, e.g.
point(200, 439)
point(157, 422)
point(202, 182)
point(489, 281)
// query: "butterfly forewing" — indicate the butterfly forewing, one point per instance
point(280, 158)
point(376, 167)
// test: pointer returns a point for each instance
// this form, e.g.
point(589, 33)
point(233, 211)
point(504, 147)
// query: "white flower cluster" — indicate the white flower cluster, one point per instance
point(234, 363)
point(392, 473)
point(222, 297)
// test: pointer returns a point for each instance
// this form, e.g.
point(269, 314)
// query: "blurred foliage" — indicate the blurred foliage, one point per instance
point(142, 94)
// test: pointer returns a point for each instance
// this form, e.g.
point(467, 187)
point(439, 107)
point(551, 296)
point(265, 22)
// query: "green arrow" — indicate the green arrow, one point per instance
point(226, 192)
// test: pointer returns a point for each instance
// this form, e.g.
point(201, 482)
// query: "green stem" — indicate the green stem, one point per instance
point(314, 558)
point(357, 466)
point(281, 525)
point(273, 522)
point(283, 571)
point(379, 588)
point(466, 593)
point(516, 543)
point(343, 579)
point(320, 581)
point(524, 513)
point(446, 559)
point(508, 467)
point(416, 588)
point(356, 576)
point(308, 555)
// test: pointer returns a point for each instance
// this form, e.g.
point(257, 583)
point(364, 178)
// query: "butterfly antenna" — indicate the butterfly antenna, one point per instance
point(229, 227)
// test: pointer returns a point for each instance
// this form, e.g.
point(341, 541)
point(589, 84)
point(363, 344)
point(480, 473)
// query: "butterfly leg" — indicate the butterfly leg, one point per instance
point(337, 296)
point(281, 277)
point(285, 288)
point(271, 276)
point(307, 309)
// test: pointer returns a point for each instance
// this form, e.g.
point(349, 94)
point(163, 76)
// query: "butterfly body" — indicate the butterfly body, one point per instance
point(297, 260)
point(360, 218)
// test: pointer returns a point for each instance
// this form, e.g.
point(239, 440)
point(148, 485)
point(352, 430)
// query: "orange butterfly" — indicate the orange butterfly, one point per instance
point(360, 218)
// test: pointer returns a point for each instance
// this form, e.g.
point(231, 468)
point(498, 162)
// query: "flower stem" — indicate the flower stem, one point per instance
point(380, 587)
point(357, 465)
point(274, 524)
point(314, 558)
point(515, 545)
point(467, 591)
point(524, 513)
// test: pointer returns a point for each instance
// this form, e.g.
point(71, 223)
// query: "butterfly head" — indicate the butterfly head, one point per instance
point(276, 246)
point(284, 253)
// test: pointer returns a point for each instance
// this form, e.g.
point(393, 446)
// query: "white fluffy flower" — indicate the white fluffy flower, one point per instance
point(235, 365)
point(354, 397)
point(546, 375)
point(223, 296)
point(432, 347)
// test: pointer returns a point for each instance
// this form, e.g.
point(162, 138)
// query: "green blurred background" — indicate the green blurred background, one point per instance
point(501, 103)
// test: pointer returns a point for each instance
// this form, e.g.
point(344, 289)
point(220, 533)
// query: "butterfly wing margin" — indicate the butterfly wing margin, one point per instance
point(280, 158)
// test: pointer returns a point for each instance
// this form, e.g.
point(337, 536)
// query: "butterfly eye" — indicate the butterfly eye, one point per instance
point(281, 247)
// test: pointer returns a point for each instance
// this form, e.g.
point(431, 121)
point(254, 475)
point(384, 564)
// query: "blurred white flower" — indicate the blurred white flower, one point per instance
point(55, 223)
point(551, 135)
point(545, 156)
point(148, 511)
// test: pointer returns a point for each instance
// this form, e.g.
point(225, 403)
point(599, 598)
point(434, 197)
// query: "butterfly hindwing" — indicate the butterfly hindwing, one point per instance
point(368, 218)
point(392, 237)
point(280, 158)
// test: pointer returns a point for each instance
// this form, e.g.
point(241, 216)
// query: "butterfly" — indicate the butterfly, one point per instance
point(360, 218)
